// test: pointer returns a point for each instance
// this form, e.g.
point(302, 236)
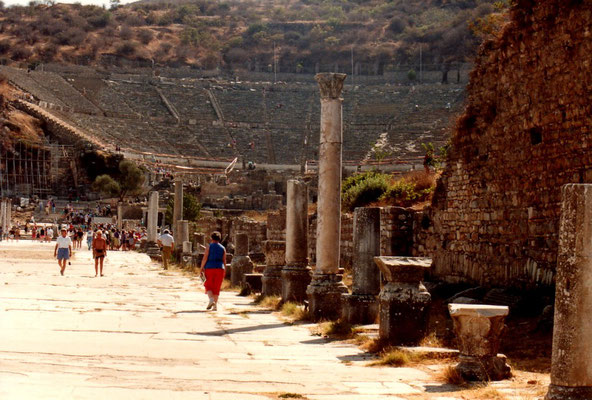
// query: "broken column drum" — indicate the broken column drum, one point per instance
point(241, 262)
point(296, 273)
point(275, 255)
point(177, 211)
point(479, 329)
point(571, 368)
point(404, 301)
point(275, 259)
point(325, 290)
point(361, 307)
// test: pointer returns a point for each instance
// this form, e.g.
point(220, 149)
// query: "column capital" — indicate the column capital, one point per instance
point(330, 84)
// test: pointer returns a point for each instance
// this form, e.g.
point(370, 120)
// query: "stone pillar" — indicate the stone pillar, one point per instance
point(119, 215)
point(187, 247)
point(325, 290)
point(361, 307)
point(296, 273)
point(152, 217)
point(241, 262)
point(571, 368)
point(403, 301)
point(3, 223)
point(151, 224)
point(275, 258)
point(177, 211)
point(183, 228)
point(200, 242)
point(478, 329)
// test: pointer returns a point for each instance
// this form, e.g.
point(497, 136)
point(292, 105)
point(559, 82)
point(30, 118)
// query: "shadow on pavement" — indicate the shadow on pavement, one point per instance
point(223, 332)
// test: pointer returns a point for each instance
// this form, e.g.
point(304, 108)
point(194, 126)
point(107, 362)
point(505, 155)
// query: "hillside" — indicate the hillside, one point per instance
point(307, 36)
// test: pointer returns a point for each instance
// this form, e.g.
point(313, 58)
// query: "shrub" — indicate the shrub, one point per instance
point(126, 49)
point(412, 75)
point(125, 32)
point(21, 53)
point(99, 20)
point(4, 46)
point(72, 37)
point(367, 188)
point(145, 36)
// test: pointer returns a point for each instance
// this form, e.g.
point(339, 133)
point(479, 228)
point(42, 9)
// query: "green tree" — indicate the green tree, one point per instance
point(128, 181)
point(191, 209)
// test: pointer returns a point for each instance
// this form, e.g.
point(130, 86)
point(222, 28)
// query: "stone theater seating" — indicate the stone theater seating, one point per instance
point(264, 123)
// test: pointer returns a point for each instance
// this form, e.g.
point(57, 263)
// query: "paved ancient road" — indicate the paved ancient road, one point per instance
point(141, 333)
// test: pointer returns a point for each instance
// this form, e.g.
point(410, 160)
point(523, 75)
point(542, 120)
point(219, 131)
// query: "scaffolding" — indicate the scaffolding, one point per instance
point(28, 169)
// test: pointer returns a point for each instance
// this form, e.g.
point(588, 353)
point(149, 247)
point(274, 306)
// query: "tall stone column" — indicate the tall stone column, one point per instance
point(119, 215)
point(241, 262)
point(324, 292)
point(3, 217)
point(178, 212)
point(152, 221)
point(361, 307)
point(571, 368)
point(296, 273)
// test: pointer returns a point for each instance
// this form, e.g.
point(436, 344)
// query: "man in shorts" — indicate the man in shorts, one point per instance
point(63, 250)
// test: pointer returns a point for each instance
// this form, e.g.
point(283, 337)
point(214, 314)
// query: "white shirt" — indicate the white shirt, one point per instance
point(50, 232)
point(64, 242)
point(166, 239)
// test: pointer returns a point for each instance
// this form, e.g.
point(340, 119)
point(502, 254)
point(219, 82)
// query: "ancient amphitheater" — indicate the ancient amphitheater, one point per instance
point(195, 119)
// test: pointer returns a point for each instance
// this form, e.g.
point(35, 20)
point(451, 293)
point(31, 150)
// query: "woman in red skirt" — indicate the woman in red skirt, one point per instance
point(213, 263)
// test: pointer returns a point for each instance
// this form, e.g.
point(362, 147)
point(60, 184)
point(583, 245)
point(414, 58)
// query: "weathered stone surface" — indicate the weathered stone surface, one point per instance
point(295, 280)
point(572, 347)
point(296, 274)
point(404, 301)
point(240, 266)
point(241, 246)
point(177, 211)
point(520, 139)
point(478, 331)
point(325, 290)
point(275, 257)
point(324, 296)
point(275, 252)
point(152, 216)
point(361, 307)
point(254, 282)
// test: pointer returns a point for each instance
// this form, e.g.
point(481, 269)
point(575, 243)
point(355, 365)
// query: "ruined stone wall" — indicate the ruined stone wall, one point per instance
point(231, 226)
point(525, 133)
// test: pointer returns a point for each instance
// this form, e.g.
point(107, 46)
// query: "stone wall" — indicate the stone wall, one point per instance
point(231, 226)
point(525, 133)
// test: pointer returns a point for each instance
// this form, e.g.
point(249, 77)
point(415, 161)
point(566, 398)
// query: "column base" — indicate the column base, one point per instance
point(403, 313)
point(359, 309)
point(240, 266)
point(272, 281)
point(569, 392)
point(488, 368)
point(153, 251)
point(324, 296)
point(295, 280)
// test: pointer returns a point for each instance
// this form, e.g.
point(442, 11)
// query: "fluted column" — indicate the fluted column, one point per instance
point(324, 292)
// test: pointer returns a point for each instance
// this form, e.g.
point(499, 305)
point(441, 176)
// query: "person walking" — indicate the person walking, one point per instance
point(89, 238)
point(99, 247)
point(166, 242)
point(213, 266)
point(63, 250)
